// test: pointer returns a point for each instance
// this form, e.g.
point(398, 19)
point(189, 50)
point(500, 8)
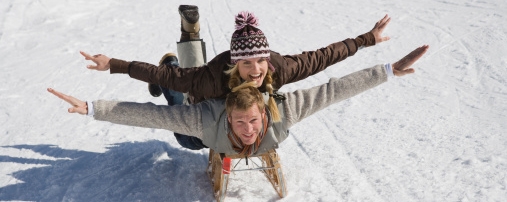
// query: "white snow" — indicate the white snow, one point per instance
point(436, 135)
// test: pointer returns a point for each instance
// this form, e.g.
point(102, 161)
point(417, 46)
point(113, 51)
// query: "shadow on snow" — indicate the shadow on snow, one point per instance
point(126, 172)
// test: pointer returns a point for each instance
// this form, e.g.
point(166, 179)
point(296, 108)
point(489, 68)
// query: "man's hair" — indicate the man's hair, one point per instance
point(243, 97)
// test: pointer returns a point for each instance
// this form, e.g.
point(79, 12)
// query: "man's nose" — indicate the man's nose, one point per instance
point(248, 128)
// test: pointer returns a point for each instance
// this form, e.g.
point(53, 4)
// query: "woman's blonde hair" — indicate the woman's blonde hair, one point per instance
point(236, 81)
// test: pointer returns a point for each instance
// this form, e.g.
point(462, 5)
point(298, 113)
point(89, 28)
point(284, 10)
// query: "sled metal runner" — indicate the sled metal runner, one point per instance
point(219, 169)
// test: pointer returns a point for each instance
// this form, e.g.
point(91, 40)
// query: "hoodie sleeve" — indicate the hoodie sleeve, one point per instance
point(183, 119)
point(303, 103)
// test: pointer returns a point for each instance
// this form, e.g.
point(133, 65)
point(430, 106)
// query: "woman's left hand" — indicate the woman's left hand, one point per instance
point(379, 28)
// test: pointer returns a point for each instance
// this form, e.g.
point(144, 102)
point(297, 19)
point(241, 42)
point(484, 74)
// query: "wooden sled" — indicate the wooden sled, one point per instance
point(219, 168)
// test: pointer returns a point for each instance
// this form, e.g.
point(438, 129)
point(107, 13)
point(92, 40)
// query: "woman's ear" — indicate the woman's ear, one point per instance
point(229, 118)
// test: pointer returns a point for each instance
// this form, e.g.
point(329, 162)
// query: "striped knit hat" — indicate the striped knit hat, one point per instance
point(248, 41)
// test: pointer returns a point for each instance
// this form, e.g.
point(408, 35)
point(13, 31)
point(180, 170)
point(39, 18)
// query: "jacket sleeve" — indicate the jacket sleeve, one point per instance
point(292, 68)
point(204, 81)
point(303, 103)
point(185, 119)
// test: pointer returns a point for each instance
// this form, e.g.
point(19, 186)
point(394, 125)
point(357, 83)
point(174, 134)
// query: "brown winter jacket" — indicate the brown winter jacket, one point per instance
point(210, 81)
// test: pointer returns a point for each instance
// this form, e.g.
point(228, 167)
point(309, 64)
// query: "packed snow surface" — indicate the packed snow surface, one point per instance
point(436, 135)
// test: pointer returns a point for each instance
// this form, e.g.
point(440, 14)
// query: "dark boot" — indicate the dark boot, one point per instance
point(190, 27)
point(173, 97)
point(167, 59)
point(154, 89)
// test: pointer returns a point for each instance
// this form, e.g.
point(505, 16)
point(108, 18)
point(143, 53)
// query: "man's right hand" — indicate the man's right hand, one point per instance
point(101, 61)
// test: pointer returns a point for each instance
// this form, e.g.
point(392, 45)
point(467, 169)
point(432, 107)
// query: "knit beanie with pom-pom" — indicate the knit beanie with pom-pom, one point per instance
point(248, 41)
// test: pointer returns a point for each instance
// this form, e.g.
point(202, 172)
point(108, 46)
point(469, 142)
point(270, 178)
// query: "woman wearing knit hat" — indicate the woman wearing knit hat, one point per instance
point(250, 59)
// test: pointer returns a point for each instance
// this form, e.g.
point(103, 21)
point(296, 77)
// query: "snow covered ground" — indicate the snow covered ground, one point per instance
point(436, 135)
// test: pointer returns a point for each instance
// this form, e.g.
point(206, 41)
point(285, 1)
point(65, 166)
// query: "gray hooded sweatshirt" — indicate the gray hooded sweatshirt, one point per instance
point(207, 120)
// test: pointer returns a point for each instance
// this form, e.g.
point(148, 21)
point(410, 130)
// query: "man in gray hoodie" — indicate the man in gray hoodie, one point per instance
point(241, 124)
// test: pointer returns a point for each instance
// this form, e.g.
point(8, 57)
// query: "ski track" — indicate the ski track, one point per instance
point(329, 124)
point(327, 159)
point(220, 18)
point(215, 51)
point(5, 9)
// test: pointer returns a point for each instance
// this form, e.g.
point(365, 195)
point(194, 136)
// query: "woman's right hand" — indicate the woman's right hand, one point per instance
point(101, 61)
point(78, 106)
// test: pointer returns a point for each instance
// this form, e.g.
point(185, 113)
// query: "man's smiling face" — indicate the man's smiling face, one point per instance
point(247, 124)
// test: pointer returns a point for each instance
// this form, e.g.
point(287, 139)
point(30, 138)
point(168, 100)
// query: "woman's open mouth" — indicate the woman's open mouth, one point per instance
point(255, 77)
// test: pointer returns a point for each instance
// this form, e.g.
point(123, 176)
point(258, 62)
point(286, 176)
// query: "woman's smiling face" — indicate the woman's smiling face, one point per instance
point(253, 69)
